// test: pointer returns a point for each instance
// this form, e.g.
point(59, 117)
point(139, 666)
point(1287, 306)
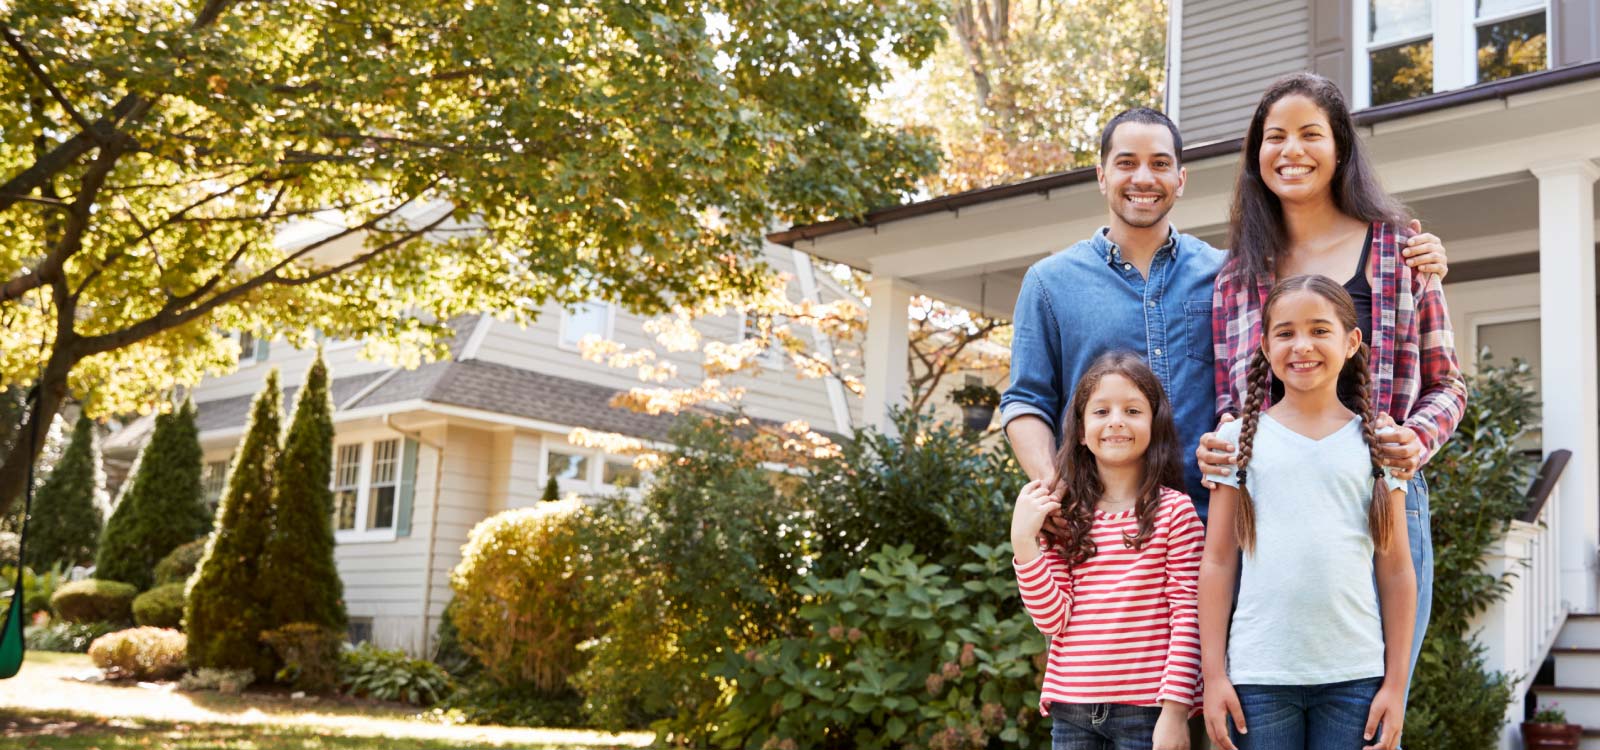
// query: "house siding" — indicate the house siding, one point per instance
point(1232, 50)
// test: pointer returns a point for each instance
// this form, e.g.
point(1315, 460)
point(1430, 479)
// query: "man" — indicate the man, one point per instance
point(1137, 285)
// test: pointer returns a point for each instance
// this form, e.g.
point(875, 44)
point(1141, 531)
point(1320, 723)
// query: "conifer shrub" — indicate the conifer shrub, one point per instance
point(163, 506)
point(64, 527)
point(140, 654)
point(160, 607)
point(180, 563)
point(225, 612)
point(299, 581)
point(94, 600)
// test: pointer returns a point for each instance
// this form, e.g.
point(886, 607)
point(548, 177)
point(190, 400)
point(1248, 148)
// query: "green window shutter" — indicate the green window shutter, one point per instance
point(408, 487)
point(261, 350)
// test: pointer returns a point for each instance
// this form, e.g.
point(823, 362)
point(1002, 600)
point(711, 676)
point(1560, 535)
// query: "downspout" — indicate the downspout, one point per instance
point(433, 527)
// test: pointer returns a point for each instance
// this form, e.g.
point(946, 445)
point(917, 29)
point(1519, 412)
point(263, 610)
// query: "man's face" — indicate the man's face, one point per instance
point(1140, 177)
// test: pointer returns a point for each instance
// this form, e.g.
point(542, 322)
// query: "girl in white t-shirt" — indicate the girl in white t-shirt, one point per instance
point(1309, 660)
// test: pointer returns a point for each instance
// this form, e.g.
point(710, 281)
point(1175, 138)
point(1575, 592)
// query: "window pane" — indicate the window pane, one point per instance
point(1516, 340)
point(382, 508)
point(347, 469)
point(214, 480)
point(1389, 20)
point(1402, 72)
point(585, 319)
point(384, 459)
point(247, 347)
point(1511, 47)
point(569, 466)
point(620, 474)
point(344, 509)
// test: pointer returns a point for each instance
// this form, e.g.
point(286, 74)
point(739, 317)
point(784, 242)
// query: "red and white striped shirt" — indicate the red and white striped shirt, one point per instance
point(1123, 625)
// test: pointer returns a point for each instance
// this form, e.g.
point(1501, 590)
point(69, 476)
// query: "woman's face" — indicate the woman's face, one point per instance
point(1298, 156)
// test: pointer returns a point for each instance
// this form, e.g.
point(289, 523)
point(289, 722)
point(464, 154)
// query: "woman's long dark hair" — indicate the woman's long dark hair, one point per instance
point(1256, 230)
point(1076, 468)
point(1356, 372)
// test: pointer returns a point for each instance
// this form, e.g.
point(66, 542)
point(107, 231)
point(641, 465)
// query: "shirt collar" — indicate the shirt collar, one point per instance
point(1113, 255)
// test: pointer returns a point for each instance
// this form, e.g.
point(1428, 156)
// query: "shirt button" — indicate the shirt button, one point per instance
point(1158, 352)
point(1151, 303)
point(1127, 266)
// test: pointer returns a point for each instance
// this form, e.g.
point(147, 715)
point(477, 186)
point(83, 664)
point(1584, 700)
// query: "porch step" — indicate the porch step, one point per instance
point(1581, 704)
point(1577, 667)
point(1581, 631)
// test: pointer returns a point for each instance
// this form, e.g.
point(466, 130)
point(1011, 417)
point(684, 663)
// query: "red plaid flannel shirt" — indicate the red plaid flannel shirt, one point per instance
point(1413, 350)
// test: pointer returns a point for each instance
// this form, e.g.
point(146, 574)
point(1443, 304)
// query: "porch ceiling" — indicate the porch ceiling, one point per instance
point(1462, 169)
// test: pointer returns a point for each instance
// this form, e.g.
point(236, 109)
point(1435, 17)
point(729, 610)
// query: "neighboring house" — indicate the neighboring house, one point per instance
point(1483, 116)
point(423, 455)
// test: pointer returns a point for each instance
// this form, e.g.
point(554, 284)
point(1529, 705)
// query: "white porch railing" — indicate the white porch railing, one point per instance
point(1519, 630)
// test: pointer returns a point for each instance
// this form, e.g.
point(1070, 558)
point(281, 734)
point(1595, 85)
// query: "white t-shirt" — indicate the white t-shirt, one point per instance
point(1308, 607)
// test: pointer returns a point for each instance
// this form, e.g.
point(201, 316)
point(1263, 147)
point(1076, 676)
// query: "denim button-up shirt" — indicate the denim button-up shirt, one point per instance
point(1086, 301)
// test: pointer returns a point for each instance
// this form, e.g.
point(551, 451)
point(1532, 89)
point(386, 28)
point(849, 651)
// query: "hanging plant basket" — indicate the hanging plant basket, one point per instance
point(977, 402)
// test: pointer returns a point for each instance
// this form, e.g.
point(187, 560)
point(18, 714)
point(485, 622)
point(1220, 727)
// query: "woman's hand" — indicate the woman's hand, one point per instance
point(1215, 455)
point(1172, 729)
point(1388, 711)
point(1034, 504)
point(1221, 703)
point(1424, 252)
point(1399, 447)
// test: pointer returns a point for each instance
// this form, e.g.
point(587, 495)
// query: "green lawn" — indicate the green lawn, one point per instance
point(50, 705)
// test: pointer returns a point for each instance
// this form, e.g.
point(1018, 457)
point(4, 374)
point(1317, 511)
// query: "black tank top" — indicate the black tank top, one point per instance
point(1361, 293)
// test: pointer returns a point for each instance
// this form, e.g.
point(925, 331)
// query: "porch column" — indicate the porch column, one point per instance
point(1567, 345)
point(887, 349)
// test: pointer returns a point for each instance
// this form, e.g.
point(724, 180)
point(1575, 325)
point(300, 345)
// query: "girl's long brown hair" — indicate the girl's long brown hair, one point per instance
point(1357, 379)
point(1256, 225)
point(1076, 469)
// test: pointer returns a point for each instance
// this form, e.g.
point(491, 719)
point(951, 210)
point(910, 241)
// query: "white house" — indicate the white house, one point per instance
point(1498, 156)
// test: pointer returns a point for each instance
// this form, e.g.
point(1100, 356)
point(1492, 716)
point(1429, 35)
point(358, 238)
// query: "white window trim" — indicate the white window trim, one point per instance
point(1479, 319)
point(610, 325)
point(1460, 45)
point(361, 534)
point(592, 482)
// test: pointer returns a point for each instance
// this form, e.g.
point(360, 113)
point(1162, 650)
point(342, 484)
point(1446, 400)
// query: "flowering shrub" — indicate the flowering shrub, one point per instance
point(140, 654)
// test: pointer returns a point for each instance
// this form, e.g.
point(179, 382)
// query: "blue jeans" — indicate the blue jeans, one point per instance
point(1102, 726)
point(1313, 717)
point(1419, 533)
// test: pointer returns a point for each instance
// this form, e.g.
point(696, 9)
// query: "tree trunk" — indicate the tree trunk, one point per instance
point(52, 391)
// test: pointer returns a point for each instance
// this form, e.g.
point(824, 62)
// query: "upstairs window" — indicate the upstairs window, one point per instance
point(1399, 38)
point(1511, 38)
point(589, 318)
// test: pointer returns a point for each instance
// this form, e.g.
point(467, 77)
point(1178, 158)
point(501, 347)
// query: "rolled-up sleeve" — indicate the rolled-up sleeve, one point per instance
point(1036, 387)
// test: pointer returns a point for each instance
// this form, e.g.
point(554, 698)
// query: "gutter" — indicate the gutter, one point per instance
point(1045, 184)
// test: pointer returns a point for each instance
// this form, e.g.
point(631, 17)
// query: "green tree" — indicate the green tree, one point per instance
point(226, 610)
point(479, 156)
point(1021, 89)
point(163, 506)
point(299, 581)
point(65, 524)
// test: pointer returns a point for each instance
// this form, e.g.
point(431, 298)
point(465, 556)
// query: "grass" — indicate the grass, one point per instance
point(50, 705)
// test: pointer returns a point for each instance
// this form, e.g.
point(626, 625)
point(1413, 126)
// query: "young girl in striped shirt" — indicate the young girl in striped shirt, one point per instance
point(1114, 582)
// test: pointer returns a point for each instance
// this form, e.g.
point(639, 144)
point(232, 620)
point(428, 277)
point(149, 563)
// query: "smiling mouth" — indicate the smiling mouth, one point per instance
point(1303, 366)
point(1144, 200)
point(1294, 170)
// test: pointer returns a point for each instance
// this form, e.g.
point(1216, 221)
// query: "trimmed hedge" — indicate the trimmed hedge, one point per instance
point(140, 654)
point(160, 607)
point(94, 600)
point(180, 563)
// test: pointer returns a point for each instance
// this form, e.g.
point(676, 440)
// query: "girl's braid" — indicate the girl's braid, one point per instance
point(1378, 516)
point(1259, 380)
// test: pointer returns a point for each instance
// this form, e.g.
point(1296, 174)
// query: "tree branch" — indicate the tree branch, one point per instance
point(38, 72)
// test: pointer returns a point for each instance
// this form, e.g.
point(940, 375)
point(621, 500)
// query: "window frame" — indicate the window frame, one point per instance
point(592, 483)
point(364, 531)
point(566, 316)
point(1523, 314)
point(207, 476)
point(773, 357)
point(1455, 59)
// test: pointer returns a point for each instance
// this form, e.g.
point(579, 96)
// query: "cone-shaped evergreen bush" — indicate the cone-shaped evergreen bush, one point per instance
point(163, 506)
point(298, 577)
point(66, 520)
point(225, 611)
